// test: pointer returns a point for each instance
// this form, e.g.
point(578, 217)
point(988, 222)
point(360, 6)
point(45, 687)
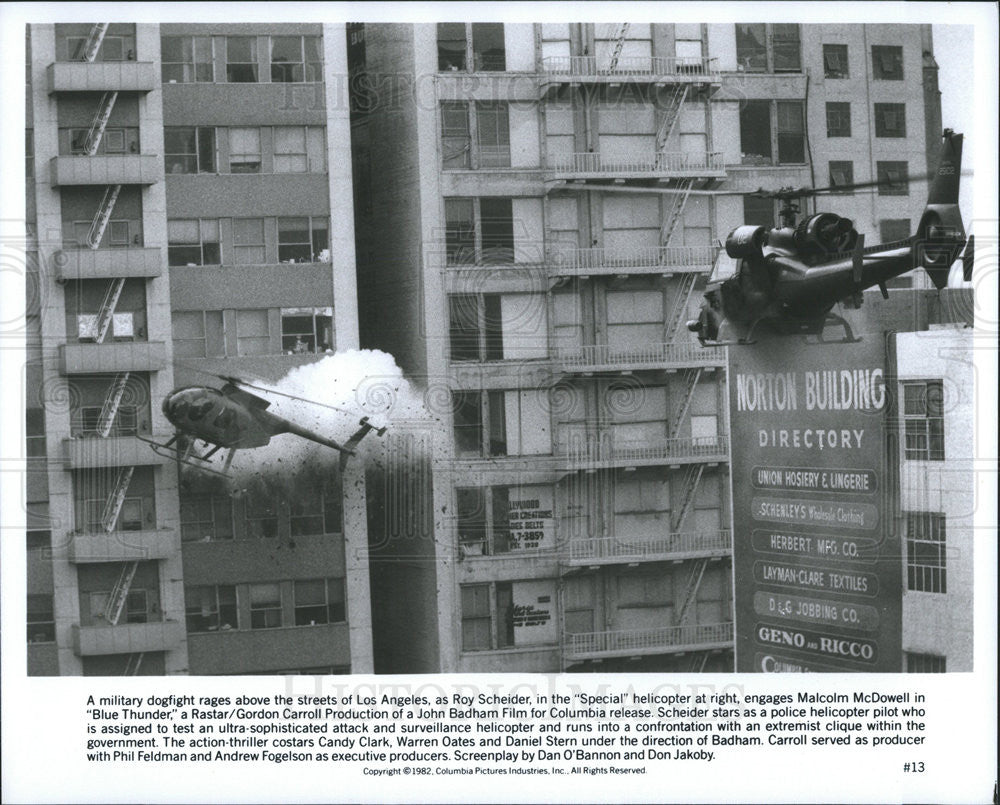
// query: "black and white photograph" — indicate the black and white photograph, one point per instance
point(396, 407)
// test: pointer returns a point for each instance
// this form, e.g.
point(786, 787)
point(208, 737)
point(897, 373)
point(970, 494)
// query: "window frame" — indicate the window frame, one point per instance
point(315, 224)
point(882, 129)
point(883, 54)
point(923, 428)
point(256, 339)
point(838, 119)
point(313, 346)
point(193, 64)
point(262, 616)
point(219, 508)
point(203, 245)
point(500, 615)
point(893, 177)
point(926, 552)
point(846, 172)
point(765, 56)
point(40, 627)
point(217, 611)
point(841, 54)
point(233, 67)
point(332, 610)
point(241, 250)
point(244, 158)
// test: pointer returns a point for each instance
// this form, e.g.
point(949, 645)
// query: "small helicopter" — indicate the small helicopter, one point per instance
point(790, 278)
point(234, 419)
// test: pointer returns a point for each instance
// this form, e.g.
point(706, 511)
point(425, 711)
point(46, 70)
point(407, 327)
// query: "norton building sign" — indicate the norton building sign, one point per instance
point(818, 581)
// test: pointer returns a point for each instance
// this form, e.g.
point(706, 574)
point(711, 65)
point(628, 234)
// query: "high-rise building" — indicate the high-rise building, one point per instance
point(190, 211)
point(531, 242)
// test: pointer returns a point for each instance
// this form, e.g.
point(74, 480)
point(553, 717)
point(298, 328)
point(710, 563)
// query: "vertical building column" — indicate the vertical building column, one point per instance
point(357, 582)
point(338, 132)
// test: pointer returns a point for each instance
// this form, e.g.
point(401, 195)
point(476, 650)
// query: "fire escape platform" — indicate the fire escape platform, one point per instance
point(123, 546)
point(105, 169)
point(108, 358)
point(114, 451)
point(129, 638)
point(121, 76)
point(89, 264)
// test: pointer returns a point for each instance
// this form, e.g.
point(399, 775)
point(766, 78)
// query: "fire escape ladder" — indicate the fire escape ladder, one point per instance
point(107, 311)
point(133, 664)
point(110, 408)
point(115, 500)
point(691, 591)
point(698, 662)
point(676, 211)
point(94, 40)
point(100, 122)
point(119, 595)
point(619, 45)
point(691, 480)
point(678, 313)
point(691, 377)
point(103, 215)
point(670, 116)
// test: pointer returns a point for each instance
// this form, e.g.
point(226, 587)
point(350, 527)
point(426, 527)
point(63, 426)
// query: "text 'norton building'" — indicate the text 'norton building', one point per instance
point(190, 211)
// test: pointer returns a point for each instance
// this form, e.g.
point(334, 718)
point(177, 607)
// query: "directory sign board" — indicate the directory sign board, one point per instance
point(817, 565)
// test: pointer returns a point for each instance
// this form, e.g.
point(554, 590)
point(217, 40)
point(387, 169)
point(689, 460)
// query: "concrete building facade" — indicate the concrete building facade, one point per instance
point(531, 241)
point(190, 211)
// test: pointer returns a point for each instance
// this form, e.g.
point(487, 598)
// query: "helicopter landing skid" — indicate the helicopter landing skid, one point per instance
point(834, 319)
point(190, 459)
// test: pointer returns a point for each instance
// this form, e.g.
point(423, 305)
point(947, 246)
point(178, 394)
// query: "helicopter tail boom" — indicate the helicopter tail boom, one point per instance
point(940, 235)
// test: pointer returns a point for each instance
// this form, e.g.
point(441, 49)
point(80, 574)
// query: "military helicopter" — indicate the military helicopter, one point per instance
point(789, 279)
point(232, 418)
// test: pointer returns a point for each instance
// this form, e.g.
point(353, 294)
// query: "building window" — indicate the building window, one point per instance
point(835, 61)
point(451, 45)
point(265, 606)
point(241, 59)
point(129, 516)
point(785, 48)
point(198, 334)
point(253, 333)
point(244, 150)
point(115, 140)
point(479, 231)
point(193, 242)
point(887, 62)
point(248, 241)
point(306, 329)
point(772, 48)
point(758, 211)
point(303, 240)
point(890, 120)
point(486, 626)
point(492, 135)
point(926, 562)
point(791, 133)
point(841, 175)
point(483, 520)
point(924, 663)
point(501, 423)
point(189, 149)
point(319, 601)
point(475, 327)
point(894, 229)
point(299, 149)
point(261, 517)
point(755, 133)
point(488, 51)
point(893, 178)
point(923, 420)
point(751, 47)
point(296, 59)
point(456, 137)
point(41, 619)
point(186, 59)
point(206, 518)
point(210, 609)
point(838, 119)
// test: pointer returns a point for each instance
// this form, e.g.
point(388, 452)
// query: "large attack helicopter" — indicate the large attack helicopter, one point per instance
point(789, 279)
point(234, 419)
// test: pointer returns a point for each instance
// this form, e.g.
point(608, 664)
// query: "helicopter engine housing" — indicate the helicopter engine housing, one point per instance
point(825, 233)
point(746, 242)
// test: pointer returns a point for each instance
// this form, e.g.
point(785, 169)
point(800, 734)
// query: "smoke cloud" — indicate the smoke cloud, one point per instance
point(336, 392)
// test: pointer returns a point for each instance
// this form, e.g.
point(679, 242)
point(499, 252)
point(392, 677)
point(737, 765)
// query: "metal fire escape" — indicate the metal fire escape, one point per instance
point(692, 477)
point(94, 39)
point(678, 313)
point(619, 45)
point(691, 590)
